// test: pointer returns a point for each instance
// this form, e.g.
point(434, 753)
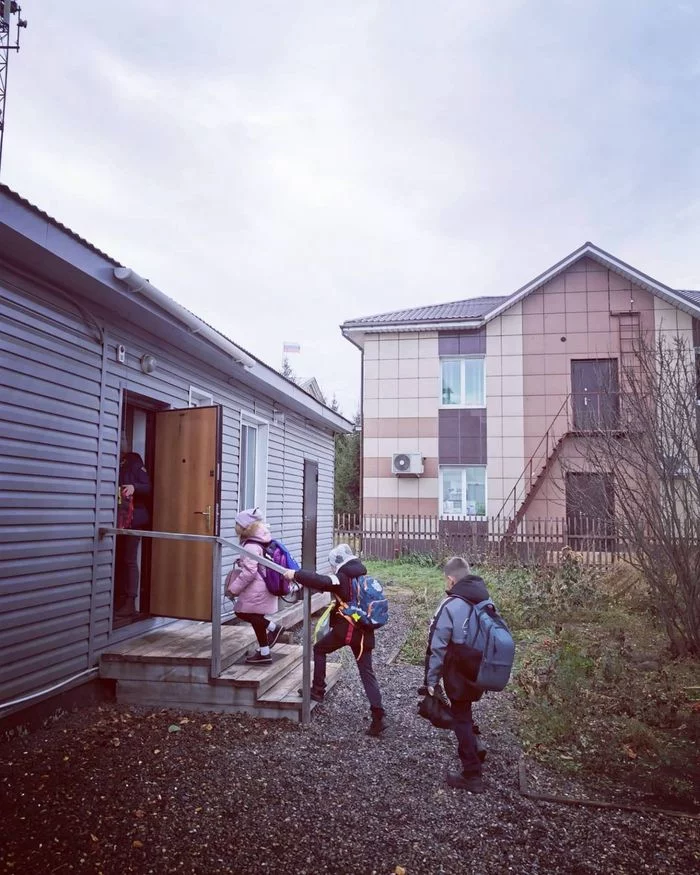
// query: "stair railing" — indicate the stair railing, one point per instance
point(217, 543)
point(548, 444)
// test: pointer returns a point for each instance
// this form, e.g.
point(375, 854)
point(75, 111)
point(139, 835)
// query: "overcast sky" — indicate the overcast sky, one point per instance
point(279, 167)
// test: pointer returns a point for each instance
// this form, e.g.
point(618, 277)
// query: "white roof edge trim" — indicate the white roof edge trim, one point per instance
point(139, 285)
point(606, 260)
point(417, 326)
point(259, 370)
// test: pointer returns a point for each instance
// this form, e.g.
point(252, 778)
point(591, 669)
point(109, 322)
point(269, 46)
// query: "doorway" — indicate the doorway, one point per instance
point(309, 537)
point(590, 508)
point(181, 452)
point(595, 394)
point(136, 435)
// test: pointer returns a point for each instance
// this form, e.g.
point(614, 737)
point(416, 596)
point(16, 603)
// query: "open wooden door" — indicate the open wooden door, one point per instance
point(186, 494)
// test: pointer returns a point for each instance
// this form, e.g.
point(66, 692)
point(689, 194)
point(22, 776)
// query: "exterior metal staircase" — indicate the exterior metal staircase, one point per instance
point(536, 469)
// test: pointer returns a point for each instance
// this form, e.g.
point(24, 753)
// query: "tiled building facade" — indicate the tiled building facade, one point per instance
point(470, 388)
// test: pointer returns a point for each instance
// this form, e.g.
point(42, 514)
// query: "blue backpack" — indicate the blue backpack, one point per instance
point(280, 555)
point(485, 630)
point(369, 606)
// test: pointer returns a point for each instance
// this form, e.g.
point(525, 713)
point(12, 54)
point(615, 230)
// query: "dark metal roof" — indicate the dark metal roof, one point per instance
point(13, 195)
point(22, 200)
point(472, 308)
point(691, 294)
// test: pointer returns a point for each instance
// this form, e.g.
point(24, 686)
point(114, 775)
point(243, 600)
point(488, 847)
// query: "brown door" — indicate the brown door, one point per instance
point(595, 389)
point(185, 499)
point(309, 538)
point(590, 507)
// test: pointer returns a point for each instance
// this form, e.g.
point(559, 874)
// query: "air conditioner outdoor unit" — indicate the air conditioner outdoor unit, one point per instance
point(407, 463)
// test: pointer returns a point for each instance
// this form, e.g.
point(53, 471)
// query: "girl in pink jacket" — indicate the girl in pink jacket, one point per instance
point(253, 598)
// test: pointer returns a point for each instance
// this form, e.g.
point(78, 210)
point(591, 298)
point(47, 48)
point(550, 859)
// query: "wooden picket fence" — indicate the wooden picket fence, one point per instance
point(540, 541)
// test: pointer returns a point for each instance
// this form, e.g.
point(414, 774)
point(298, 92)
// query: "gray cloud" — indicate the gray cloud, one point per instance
point(319, 161)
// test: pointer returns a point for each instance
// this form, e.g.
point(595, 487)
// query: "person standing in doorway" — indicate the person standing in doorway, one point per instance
point(135, 487)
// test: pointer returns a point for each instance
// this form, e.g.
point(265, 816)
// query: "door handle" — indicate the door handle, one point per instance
point(205, 513)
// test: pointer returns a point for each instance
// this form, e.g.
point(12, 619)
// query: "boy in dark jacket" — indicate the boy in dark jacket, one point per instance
point(463, 590)
point(343, 633)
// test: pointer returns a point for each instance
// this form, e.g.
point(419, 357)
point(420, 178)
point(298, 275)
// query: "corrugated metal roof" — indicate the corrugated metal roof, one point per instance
point(691, 294)
point(486, 308)
point(22, 200)
point(471, 308)
point(13, 195)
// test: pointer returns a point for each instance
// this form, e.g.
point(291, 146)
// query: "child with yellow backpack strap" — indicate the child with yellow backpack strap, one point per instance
point(358, 608)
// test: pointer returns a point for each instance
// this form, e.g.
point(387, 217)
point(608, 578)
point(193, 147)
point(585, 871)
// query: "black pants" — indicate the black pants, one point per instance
point(126, 577)
point(334, 640)
point(259, 622)
point(466, 740)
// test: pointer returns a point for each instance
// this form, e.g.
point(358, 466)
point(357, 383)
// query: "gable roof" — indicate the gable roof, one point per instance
point(672, 296)
point(311, 386)
point(476, 312)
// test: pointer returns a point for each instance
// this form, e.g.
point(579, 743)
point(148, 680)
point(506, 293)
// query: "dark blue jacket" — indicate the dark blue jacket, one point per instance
point(340, 587)
point(132, 472)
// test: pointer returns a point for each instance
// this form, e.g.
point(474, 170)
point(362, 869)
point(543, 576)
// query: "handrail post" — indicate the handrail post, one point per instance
point(217, 550)
point(306, 660)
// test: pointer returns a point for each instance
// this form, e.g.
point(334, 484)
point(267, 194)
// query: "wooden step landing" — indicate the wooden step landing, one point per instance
point(268, 691)
point(169, 668)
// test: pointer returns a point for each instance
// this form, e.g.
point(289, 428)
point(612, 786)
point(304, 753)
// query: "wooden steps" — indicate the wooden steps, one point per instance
point(169, 668)
point(284, 693)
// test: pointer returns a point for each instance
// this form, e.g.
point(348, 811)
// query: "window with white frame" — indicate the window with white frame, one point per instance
point(463, 490)
point(463, 382)
point(200, 398)
point(252, 480)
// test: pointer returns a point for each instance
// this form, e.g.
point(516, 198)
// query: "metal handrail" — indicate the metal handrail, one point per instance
point(546, 437)
point(218, 543)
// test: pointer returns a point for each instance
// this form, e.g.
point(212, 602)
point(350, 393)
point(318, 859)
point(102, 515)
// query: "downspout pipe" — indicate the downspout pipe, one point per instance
point(139, 285)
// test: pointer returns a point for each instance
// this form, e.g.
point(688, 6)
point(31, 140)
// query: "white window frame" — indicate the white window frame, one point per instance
point(463, 359)
point(463, 469)
point(200, 398)
point(262, 428)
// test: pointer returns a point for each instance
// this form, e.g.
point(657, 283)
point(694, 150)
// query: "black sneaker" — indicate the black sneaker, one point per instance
point(316, 695)
point(258, 659)
point(475, 784)
point(376, 727)
point(273, 637)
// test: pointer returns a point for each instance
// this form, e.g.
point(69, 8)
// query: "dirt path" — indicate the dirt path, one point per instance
point(112, 790)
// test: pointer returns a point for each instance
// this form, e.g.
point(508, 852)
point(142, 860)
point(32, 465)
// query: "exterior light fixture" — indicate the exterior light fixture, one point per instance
point(148, 363)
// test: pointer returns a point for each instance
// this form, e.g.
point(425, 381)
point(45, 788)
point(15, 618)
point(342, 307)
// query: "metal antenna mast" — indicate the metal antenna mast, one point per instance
point(7, 45)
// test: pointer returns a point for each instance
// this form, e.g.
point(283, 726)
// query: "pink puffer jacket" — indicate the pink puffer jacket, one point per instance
point(252, 594)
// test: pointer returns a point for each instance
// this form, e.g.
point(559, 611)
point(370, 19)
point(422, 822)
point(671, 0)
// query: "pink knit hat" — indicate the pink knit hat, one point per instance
point(247, 517)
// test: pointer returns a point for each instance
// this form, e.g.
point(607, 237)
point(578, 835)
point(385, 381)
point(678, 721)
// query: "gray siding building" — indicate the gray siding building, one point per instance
point(94, 359)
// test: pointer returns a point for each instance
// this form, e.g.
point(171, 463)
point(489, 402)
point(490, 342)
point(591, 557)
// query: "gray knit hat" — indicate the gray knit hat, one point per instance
point(340, 554)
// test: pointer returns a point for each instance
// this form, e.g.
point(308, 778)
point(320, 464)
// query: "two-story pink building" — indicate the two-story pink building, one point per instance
point(470, 407)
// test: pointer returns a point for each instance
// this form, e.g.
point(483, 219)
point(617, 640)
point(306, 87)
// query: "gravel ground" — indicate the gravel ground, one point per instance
point(110, 789)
